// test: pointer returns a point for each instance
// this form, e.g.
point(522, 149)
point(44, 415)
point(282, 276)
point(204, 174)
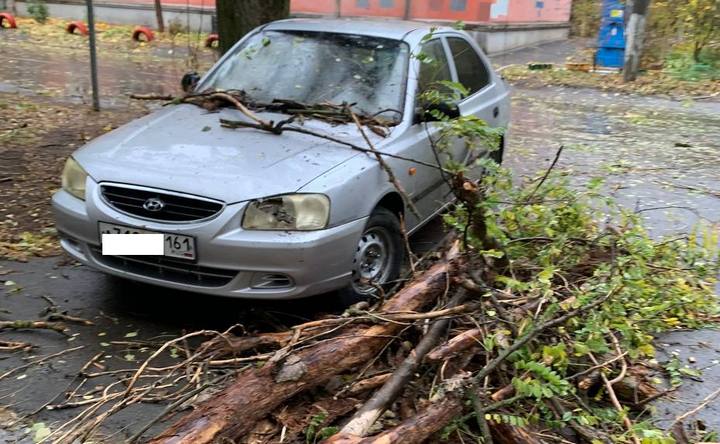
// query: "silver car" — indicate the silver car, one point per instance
point(246, 213)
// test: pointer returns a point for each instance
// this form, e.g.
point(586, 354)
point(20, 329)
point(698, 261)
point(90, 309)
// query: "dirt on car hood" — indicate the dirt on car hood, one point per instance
point(183, 148)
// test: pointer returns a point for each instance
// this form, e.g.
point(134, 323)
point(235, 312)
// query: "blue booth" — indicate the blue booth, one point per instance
point(611, 39)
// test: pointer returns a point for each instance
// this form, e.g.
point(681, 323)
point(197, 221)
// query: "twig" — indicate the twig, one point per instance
point(534, 332)
point(411, 256)
point(243, 109)
point(42, 325)
point(595, 367)
point(547, 173)
point(611, 392)
point(391, 175)
point(480, 415)
point(173, 406)
point(39, 361)
point(364, 418)
point(151, 97)
point(240, 124)
point(690, 188)
point(707, 400)
point(14, 346)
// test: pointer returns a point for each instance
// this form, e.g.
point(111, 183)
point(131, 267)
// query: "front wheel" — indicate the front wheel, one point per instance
point(379, 255)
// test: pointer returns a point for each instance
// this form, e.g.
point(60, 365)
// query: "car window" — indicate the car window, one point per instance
point(434, 67)
point(317, 67)
point(472, 72)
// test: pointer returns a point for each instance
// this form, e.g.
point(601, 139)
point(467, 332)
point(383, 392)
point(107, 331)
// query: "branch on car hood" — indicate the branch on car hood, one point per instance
point(336, 114)
point(283, 126)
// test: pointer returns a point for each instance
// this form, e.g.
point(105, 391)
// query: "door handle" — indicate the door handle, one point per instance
point(496, 112)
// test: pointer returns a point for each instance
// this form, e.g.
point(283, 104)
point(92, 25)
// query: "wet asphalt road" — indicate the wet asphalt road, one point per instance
point(647, 148)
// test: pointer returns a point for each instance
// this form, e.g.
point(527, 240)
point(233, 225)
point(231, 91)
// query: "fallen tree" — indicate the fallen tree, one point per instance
point(534, 346)
point(537, 327)
point(257, 392)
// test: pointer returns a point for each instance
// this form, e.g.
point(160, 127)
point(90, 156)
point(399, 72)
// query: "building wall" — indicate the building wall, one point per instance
point(526, 11)
point(498, 25)
point(470, 11)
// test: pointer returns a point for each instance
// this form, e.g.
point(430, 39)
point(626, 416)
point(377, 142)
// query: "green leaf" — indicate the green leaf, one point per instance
point(39, 432)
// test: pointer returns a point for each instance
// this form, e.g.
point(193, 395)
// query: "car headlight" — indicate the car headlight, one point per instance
point(302, 212)
point(73, 179)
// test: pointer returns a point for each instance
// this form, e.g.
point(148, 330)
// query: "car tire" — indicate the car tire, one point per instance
point(379, 256)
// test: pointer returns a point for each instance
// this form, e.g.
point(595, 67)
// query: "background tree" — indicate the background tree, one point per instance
point(702, 24)
point(159, 16)
point(238, 17)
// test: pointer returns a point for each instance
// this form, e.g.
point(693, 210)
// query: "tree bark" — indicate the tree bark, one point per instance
point(238, 17)
point(432, 419)
point(458, 344)
point(363, 420)
point(159, 16)
point(413, 430)
point(257, 392)
point(634, 35)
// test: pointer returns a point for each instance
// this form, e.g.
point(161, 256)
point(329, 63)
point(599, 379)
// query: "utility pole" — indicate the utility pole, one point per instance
point(93, 56)
point(634, 34)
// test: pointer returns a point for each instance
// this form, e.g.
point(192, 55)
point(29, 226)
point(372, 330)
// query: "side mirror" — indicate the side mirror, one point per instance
point(429, 112)
point(189, 81)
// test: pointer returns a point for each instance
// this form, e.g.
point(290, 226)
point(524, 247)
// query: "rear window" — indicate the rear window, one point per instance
point(472, 72)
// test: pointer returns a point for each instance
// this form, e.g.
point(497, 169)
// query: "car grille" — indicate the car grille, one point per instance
point(176, 208)
point(168, 269)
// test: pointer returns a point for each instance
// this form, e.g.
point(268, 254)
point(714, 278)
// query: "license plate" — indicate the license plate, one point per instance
point(175, 245)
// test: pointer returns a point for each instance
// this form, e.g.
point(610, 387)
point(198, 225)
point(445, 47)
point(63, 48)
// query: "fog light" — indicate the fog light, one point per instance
point(266, 281)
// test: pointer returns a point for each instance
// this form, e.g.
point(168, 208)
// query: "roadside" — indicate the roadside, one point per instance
point(650, 150)
point(45, 116)
point(570, 64)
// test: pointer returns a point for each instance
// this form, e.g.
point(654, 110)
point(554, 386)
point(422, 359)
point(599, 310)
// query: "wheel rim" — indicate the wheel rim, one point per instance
point(373, 260)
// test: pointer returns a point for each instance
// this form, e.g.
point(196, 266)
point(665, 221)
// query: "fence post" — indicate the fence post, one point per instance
point(93, 56)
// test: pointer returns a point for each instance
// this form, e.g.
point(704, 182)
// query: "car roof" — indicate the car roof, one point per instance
point(387, 28)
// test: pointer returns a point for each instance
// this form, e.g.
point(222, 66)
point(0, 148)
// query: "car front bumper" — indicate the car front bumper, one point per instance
point(230, 261)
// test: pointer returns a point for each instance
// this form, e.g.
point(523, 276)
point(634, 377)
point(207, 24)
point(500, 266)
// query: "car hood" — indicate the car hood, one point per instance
point(183, 148)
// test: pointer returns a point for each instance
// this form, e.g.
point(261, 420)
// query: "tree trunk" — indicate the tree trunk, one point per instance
point(413, 430)
point(238, 17)
point(364, 418)
point(432, 419)
point(634, 34)
point(257, 392)
point(159, 16)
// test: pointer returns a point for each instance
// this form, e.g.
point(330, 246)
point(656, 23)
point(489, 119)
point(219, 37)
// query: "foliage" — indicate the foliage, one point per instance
point(688, 26)
point(38, 10)
point(567, 246)
point(315, 432)
point(684, 66)
point(585, 18)
point(656, 82)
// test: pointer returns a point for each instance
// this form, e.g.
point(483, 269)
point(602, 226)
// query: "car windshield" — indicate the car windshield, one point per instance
point(317, 67)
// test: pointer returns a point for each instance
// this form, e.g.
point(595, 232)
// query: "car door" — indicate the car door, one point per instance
point(429, 192)
point(484, 99)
